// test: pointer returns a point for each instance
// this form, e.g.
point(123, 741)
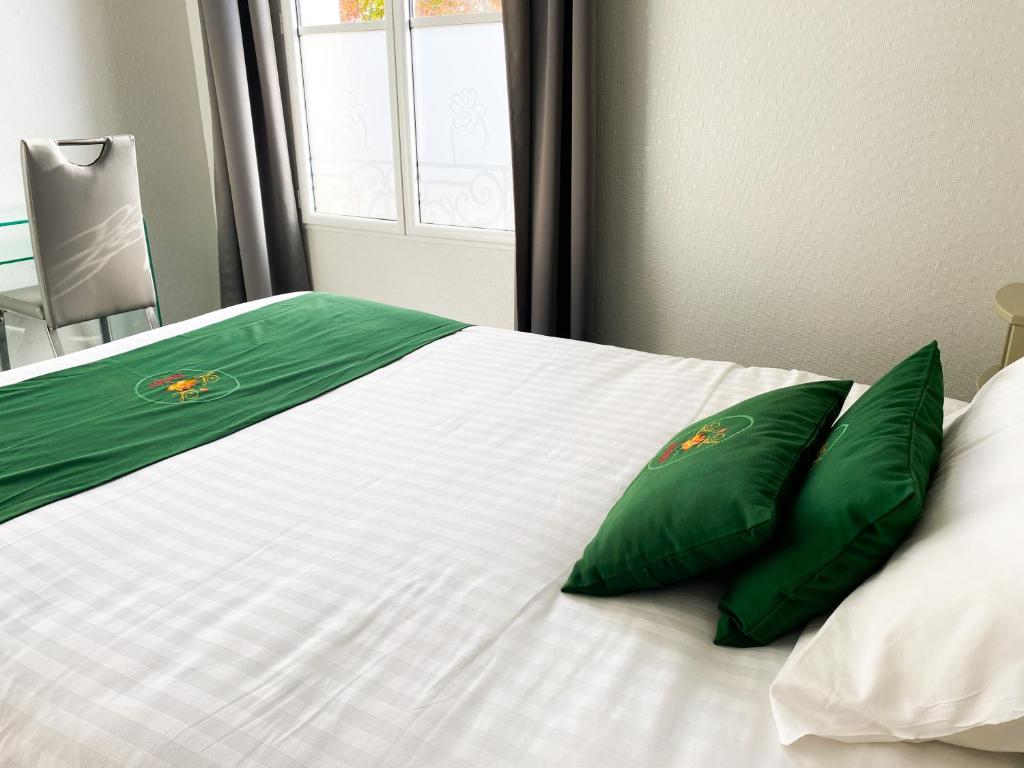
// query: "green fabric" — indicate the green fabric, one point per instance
point(71, 430)
point(857, 504)
point(710, 496)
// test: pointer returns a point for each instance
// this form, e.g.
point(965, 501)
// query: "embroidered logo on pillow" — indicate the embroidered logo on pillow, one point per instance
point(837, 433)
point(698, 439)
point(186, 385)
point(715, 499)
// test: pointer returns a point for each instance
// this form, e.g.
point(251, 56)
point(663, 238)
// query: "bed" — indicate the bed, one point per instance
point(372, 578)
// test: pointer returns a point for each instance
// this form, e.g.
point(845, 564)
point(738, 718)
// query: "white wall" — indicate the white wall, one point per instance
point(468, 282)
point(824, 186)
point(73, 68)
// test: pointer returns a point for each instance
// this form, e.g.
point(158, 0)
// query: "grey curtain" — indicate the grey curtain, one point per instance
point(549, 58)
point(260, 241)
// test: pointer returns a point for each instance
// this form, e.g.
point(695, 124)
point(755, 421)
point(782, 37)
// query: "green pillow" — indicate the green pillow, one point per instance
point(859, 501)
point(710, 496)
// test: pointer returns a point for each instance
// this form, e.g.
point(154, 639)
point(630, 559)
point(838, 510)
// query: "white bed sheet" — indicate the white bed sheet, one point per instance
point(372, 579)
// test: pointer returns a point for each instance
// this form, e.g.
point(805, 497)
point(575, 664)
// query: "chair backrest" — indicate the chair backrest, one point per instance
point(87, 231)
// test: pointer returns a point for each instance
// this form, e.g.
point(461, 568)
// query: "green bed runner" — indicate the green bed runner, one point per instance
point(72, 430)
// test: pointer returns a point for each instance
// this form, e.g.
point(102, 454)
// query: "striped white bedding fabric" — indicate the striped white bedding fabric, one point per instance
point(372, 579)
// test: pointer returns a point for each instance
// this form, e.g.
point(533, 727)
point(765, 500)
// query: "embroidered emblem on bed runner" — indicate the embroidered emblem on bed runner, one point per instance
point(263, 362)
point(834, 438)
point(697, 439)
point(186, 385)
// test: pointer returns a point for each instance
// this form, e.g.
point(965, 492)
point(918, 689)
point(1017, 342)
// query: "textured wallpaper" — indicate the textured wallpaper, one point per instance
point(824, 186)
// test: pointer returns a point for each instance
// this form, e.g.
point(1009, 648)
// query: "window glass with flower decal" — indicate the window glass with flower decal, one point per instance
point(402, 114)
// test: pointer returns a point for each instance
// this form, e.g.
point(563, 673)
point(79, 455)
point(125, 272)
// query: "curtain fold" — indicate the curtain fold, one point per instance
point(549, 60)
point(259, 235)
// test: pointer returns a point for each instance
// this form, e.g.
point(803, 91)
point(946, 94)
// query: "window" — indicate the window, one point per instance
point(401, 115)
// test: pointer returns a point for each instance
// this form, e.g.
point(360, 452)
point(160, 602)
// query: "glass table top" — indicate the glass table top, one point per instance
point(15, 241)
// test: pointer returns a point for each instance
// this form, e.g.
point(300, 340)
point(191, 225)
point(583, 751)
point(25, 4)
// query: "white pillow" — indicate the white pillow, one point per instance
point(932, 646)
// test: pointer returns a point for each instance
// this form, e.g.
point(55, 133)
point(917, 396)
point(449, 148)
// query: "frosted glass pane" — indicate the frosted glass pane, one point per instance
point(454, 7)
point(313, 12)
point(462, 134)
point(348, 114)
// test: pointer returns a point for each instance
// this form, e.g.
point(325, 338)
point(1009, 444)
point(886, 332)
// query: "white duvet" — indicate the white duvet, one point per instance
point(372, 579)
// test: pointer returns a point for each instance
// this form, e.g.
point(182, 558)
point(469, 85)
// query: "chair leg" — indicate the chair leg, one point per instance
point(151, 318)
point(105, 330)
point(5, 357)
point(55, 344)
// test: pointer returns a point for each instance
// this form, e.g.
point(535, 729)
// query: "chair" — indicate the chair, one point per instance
point(88, 237)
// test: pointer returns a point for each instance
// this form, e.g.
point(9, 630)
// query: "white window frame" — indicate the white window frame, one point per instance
point(397, 23)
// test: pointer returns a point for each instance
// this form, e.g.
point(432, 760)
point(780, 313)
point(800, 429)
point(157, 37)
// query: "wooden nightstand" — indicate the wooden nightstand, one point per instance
point(1010, 307)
